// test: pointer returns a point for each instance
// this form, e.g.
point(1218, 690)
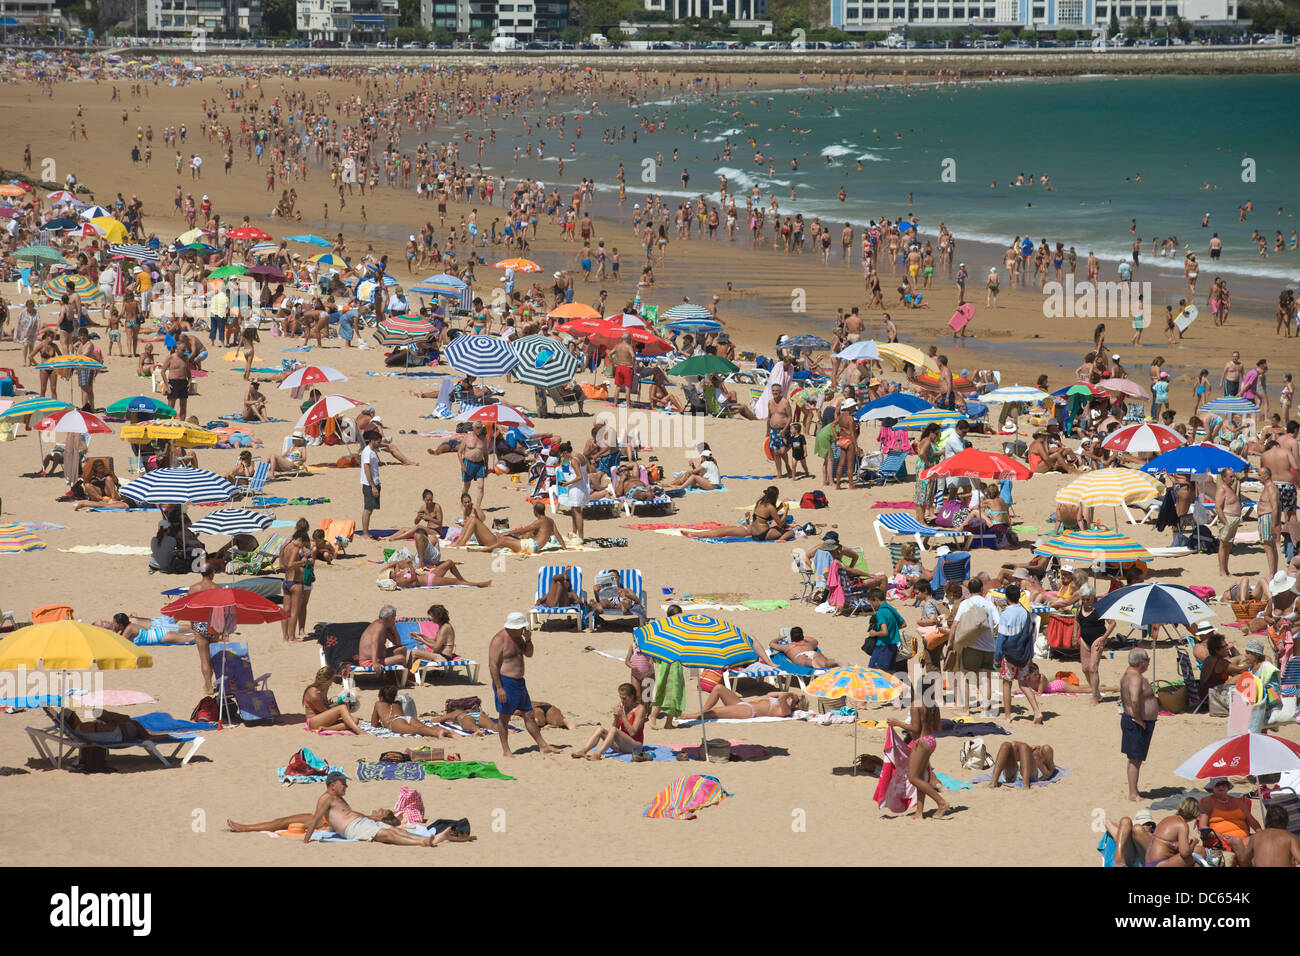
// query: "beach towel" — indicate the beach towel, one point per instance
point(329, 836)
point(164, 723)
point(464, 769)
point(767, 605)
point(733, 720)
point(893, 505)
point(1061, 774)
point(14, 539)
point(113, 510)
point(378, 730)
point(119, 549)
point(100, 699)
point(894, 792)
point(705, 491)
point(664, 525)
point(728, 540)
point(739, 751)
point(386, 770)
point(952, 783)
point(670, 688)
point(682, 798)
point(43, 526)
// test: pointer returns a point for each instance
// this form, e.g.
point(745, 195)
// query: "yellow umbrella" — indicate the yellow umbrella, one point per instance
point(179, 433)
point(897, 355)
point(72, 646)
point(1110, 486)
point(109, 228)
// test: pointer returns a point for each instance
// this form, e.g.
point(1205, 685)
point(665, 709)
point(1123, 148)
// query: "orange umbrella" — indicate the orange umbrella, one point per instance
point(930, 380)
point(519, 265)
point(573, 310)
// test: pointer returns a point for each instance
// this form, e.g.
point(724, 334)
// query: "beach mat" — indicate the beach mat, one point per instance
point(1061, 774)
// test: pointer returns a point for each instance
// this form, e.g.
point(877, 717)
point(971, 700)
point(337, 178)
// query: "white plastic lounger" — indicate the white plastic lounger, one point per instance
point(900, 522)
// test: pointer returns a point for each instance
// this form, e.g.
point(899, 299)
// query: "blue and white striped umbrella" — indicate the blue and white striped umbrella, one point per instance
point(172, 486)
point(94, 212)
point(1230, 405)
point(687, 311)
point(481, 355)
point(440, 285)
point(131, 250)
point(266, 248)
point(232, 521)
point(697, 326)
point(1014, 393)
point(1148, 604)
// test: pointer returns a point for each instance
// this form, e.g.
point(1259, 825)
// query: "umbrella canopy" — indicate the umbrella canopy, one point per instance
point(232, 521)
point(202, 248)
point(695, 326)
point(1014, 393)
point(443, 284)
point(13, 190)
point(803, 343)
point(481, 355)
point(169, 486)
point(263, 248)
point(134, 251)
point(581, 328)
point(249, 608)
point(78, 362)
point(544, 362)
point(687, 311)
point(855, 683)
point(70, 645)
point(696, 640)
point(310, 240)
point(270, 273)
point(109, 228)
point(930, 381)
point(403, 330)
point(61, 197)
point(1148, 437)
point(193, 235)
point(228, 272)
point(865, 349)
point(1145, 605)
point(94, 212)
point(930, 416)
point(625, 320)
point(248, 232)
point(81, 285)
point(367, 290)
point(178, 433)
point(141, 405)
point(1097, 544)
point(573, 310)
point(701, 365)
point(330, 259)
point(34, 406)
point(899, 355)
point(649, 343)
point(893, 405)
point(973, 463)
point(327, 407)
point(1195, 460)
point(498, 414)
point(312, 375)
point(518, 265)
point(1241, 755)
point(73, 421)
point(1110, 486)
point(1230, 405)
point(1123, 386)
point(36, 253)
point(62, 224)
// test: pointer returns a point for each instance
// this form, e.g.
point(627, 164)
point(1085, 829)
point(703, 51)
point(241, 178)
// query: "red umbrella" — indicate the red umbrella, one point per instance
point(985, 465)
point(73, 421)
point(499, 414)
point(327, 407)
point(249, 608)
point(312, 375)
point(650, 343)
point(248, 232)
point(1148, 437)
point(581, 327)
point(1241, 755)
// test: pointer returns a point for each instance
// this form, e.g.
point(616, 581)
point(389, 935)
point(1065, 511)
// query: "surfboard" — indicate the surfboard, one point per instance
point(1186, 318)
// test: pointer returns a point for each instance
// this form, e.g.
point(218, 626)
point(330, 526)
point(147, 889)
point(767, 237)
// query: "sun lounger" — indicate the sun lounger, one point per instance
point(421, 670)
point(51, 741)
point(538, 614)
point(756, 671)
point(601, 507)
point(798, 672)
point(629, 578)
point(260, 561)
point(660, 504)
point(1286, 797)
point(900, 522)
point(349, 678)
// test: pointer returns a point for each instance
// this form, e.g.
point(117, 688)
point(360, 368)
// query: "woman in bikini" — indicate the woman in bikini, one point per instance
point(909, 566)
point(1021, 761)
point(922, 727)
point(1171, 844)
point(734, 707)
point(406, 575)
point(530, 539)
point(802, 650)
point(628, 732)
point(765, 523)
point(321, 715)
point(427, 518)
point(388, 714)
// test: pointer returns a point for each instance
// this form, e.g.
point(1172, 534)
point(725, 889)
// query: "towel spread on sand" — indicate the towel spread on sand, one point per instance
point(952, 783)
point(122, 549)
point(650, 753)
point(464, 769)
point(288, 779)
point(894, 505)
point(14, 538)
point(732, 720)
point(665, 525)
point(767, 605)
point(1061, 774)
point(387, 770)
point(683, 797)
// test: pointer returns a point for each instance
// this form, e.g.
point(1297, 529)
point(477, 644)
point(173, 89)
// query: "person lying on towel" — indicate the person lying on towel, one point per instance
point(1021, 761)
point(725, 704)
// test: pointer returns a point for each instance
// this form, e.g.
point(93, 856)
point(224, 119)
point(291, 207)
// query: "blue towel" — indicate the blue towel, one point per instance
point(1061, 774)
point(728, 540)
point(329, 836)
point(1107, 850)
point(952, 783)
point(164, 723)
point(779, 659)
point(655, 753)
point(32, 702)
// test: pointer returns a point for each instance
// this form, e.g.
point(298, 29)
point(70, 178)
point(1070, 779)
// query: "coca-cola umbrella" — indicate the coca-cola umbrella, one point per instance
point(498, 414)
point(1241, 755)
point(650, 344)
point(984, 465)
point(312, 375)
point(326, 408)
point(1144, 437)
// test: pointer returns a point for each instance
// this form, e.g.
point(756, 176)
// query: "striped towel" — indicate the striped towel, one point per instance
point(683, 797)
point(14, 538)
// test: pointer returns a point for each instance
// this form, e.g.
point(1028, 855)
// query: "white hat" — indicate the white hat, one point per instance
point(1280, 582)
point(848, 405)
point(205, 195)
point(300, 433)
point(515, 621)
point(706, 453)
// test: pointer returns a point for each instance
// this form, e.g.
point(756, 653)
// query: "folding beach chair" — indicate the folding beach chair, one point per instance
point(349, 678)
point(755, 671)
point(892, 468)
point(629, 578)
point(539, 613)
point(253, 485)
point(694, 400)
point(565, 396)
point(52, 742)
point(800, 565)
point(1286, 796)
point(900, 522)
point(423, 670)
point(1135, 413)
point(257, 562)
point(238, 692)
point(952, 567)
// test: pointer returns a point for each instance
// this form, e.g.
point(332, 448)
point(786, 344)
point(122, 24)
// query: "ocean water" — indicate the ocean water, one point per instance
point(944, 146)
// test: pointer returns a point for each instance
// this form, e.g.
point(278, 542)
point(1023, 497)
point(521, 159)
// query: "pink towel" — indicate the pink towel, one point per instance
point(895, 792)
point(223, 620)
point(894, 505)
point(327, 733)
point(410, 806)
point(98, 700)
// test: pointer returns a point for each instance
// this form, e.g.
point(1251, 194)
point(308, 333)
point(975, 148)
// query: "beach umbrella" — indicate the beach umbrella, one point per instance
point(1095, 544)
point(61, 224)
point(270, 273)
point(804, 343)
point(856, 683)
point(36, 253)
point(12, 190)
point(327, 407)
point(689, 311)
point(581, 328)
point(109, 228)
point(696, 640)
point(310, 240)
point(33, 406)
point(899, 355)
point(940, 416)
point(649, 342)
point(81, 285)
point(858, 351)
point(1110, 486)
point(573, 310)
point(1229, 405)
point(263, 248)
point(248, 232)
point(624, 320)
point(181, 434)
point(71, 362)
point(367, 290)
point(481, 355)
point(95, 212)
point(544, 362)
point(1242, 755)
point(895, 406)
point(7, 213)
point(312, 375)
point(61, 197)
point(930, 381)
point(141, 405)
point(1124, 386)
point(193, 235)
point(1152, 605)
point(403, 330)
point(228, 272)
point(439, 285)
point(1195, 460)
point(985, 465)
point(15, 539)
point(695, 326)
point(73, 421)
point(69, 646)
point(1138, 439)
point(330, 259)
point(497, 414)
point(1014, 393)
point(701, 365)
point(173, 486)
point(232, 521)
point(134, 251)
point(518, 265)
point(201, 248)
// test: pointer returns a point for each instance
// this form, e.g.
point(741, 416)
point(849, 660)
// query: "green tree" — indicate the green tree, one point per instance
point(1113, 26)
point(1006, 36)
point(482, 35)
point(876, 36)
point(572, 34)
point(408, 13)
point(279, 18)
point(441, 36)
point(1029, 36)
point(1067, 35)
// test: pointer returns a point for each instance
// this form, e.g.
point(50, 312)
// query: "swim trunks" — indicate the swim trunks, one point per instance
point(623, 376)
point(1266, 527)
point(364, 829)
point(1134, 740)
point(1286, 496)
point(1231, 388)
point(178, 387)
point(473, 470)
point(1229, 530)
point(776, 439)
point(517, 699)
point(528, 546)
point(84, 377)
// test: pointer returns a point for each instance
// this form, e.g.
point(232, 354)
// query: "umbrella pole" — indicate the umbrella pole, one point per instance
point(704, 737)
point(855, 745)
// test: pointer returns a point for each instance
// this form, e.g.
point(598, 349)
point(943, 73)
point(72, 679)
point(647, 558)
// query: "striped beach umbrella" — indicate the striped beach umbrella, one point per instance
point(312, 375)
point(327, 407)
point(899, 356)
point(71, 362)
point(1096, 544)
point(481, 355)
point(518, 265)
point(329, 259)
point(232, 521)
point(1110, 486)
point(177, 432)
point(1241, 755)
point(134, 250)
point(34, 406)
point(15, 539)
point(803, 343)
point(141, 405)
point(696, 640)
point(1014, 393)
point(443, 284)
point(985, 465)
point(172, 486)
point(624, 320)
point(1148, 437)
point(61, 197)
point(403, 330)
point(930, 380)
point(1202, 459)
point(81, 285)
point(94, 212)
point(74, 421)
point(704, 326)
point(1229, 405)
point(688, 311)
point(930, 416)
point(47, 253)
point(544, 362)
point(858, 351)
point(263, 248)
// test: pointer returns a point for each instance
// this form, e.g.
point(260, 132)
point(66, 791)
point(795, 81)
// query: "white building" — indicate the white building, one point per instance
point(343, 20)
point(30, 13)
point(740, 12)
point(1035, 14)
point(190, 17)
point(515, 18)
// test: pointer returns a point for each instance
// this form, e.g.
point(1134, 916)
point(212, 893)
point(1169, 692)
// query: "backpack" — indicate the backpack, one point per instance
point(814, 499)
point(206, 710)
point(462, 703)
point(951, 514)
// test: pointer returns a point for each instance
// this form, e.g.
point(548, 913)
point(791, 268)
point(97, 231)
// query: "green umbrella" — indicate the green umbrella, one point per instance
point(39, 252)
point(228, 272)
point(701, 365)
point(141, 405)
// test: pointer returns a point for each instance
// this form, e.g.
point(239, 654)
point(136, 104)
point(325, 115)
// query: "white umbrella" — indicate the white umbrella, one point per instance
point(866, 349)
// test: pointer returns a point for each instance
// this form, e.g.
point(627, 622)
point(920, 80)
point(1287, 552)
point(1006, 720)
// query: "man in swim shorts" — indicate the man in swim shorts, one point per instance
point(333, 809)
point(623, 357)
point(176, 370)
point(506, 653)
point(473, 460)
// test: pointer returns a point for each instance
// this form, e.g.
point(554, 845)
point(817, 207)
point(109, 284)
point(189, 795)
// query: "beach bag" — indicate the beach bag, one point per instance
point(951, 514)
point(974, 755)
point(972, 624)
point(814, 499)
point(410, 806)
point(206, 710)
point(906, 648)
point(51, 612)
point(1018, 649)
point(303, 764)
point(462, 703)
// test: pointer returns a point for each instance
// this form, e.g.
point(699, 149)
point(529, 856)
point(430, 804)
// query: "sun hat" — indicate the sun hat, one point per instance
point(1020, 574)
point(300, 433)
point(515, 621)
point(1255, 646)
point(1280, 582)
point(1216, 781)
point(1203, 628)
point(849, 404)
point(707, 453)
point(1143, 817)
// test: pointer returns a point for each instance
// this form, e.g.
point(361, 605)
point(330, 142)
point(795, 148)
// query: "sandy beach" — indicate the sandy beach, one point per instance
point(560, 811)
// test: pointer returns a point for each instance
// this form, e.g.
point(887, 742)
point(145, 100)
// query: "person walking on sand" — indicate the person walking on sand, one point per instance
point(506, 653)
point(1138, 722)
point(1013, 652)
point(922, 728)
point(369, 480)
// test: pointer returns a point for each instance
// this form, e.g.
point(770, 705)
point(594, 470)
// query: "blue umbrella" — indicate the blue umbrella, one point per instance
point(232, 521)
point(1230, 405)
point(697, 326)
point(1152, 605)
point(170, 486)
point(803, 342)
point(439, 285)
point(1195, 460)
point(311, 241)
point(894, 405)
point(60, 224)
point(482, 355)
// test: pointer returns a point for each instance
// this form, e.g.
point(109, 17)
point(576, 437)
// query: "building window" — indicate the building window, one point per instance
point(1126, 9)
point(1141, 12)
point(1040, 12)
point(900, 13)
